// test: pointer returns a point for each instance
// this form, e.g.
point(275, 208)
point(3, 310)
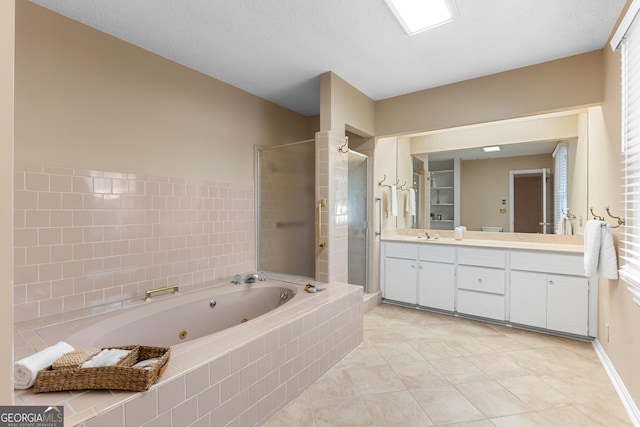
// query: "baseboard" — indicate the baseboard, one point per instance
point(618, 385)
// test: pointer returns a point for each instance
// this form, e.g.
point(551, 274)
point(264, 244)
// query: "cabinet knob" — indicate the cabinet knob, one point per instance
point(551, 282)
point(479, 280)
point(413, 266)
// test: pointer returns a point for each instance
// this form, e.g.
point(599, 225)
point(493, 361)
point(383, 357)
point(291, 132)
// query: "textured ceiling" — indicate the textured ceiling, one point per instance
point(277, 49)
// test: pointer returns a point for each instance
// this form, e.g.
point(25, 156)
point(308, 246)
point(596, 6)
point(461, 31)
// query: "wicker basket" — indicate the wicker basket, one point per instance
point(122, 376)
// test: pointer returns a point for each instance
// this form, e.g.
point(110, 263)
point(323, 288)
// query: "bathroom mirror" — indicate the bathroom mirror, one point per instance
point(466, 186)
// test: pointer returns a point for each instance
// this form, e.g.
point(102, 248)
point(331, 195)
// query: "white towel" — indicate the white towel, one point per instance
point(599, 252)
point(393, 200)
point(107, 357)
point(25, 370)
point(592, 238)
point(410, 203)
point(566, 227)
point(608, 261)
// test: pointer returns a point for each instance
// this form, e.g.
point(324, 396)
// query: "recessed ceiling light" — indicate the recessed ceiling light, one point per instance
point(420, 15)
point(491, 149)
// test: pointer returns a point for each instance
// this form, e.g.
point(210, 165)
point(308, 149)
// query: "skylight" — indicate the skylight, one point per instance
point(420, 15)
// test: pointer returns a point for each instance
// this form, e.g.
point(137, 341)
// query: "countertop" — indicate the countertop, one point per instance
point(538, 242)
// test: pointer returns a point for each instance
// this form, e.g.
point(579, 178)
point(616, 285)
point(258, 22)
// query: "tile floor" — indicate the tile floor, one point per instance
point(417, 368)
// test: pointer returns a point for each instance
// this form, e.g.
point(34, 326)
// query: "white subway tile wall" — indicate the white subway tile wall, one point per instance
point(84, 238)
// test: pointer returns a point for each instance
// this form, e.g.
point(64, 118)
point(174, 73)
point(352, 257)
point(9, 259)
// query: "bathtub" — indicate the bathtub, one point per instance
point(240, 375)
point(173, 320)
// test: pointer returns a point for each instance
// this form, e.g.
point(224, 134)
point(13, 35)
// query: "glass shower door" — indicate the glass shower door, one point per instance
point(286, 209)
point(358, 220)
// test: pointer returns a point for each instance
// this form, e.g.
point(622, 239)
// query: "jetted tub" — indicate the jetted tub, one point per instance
point(240, 375)
point(172, 320)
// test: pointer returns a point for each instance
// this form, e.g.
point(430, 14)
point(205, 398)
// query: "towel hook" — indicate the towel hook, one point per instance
point(384, 178)
point(568, 214)
point(344, 148)
point(620, 220)
point(598, 217)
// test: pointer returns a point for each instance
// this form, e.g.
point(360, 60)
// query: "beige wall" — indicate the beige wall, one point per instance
point(618, 315)
point(86, 99)
point(484, 183)
point(344, 108)
point(552, 86)
point(7, 13)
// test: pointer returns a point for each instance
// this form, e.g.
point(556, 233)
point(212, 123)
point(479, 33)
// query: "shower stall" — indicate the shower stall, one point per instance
point(286, 210)
point(358, 219)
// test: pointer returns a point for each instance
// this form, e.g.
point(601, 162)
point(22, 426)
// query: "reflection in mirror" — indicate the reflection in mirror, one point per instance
point(528, 186)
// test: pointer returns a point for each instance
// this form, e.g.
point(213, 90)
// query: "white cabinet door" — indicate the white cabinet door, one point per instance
point(436, 285)
point(568, 304)
point(528, 298)
point(400, 278)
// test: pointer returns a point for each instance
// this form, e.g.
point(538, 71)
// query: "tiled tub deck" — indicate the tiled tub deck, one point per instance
point(240, 376)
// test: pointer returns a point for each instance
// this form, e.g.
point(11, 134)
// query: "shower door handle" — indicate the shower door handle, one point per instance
point(321, 203)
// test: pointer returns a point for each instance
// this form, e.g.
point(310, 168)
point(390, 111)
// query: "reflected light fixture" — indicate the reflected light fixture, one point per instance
point(420, 15)
point(491, 149)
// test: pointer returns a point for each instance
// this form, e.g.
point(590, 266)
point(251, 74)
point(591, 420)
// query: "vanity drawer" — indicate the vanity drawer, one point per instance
point(481, 279)
point(437, 253)
point(548, 262)
point(480, 304)
point(482, 257)
point(401, 250)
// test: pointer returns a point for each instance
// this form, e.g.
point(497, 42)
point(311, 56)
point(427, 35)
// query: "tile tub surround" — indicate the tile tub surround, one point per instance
point(83, 238)
point(240, 376)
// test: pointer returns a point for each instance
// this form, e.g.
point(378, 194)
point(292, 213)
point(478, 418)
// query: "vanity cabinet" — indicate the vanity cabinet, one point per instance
point(400, 272)
point(534, 288)
point(436, 277)
point(482, 282)
point(420, 274)
point(540, 298)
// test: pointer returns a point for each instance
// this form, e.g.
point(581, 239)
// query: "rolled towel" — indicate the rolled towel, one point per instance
point(25, 370)
point(107, 357)
point(145, 363)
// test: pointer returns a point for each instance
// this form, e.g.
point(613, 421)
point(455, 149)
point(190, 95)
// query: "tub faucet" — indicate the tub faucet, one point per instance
point(251, 278)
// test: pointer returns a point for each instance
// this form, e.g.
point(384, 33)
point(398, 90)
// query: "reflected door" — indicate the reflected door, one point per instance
point(532, 204)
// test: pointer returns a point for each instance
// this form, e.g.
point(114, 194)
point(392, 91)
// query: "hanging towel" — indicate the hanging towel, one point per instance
point(393, 200)
point(592, 238)
point(410, 205)
point(608, 261)
point(565, 226)
point(25, 370)
point(599, 252)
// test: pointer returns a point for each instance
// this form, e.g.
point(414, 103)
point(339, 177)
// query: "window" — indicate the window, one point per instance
point(627, 38)
point(560, 156)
